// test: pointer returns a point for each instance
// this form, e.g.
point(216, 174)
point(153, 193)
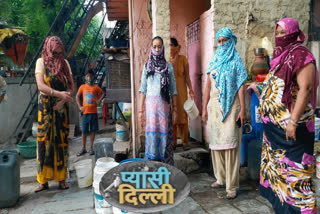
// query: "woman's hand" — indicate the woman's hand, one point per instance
point(291, 131)
point(65, 96)
point(58, 106)
point(204, 116)
point(242, 117)
point(191, 94)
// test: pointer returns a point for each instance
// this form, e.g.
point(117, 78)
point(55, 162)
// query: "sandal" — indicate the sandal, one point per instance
point(231, 195)
point(42, 187)
point(91, 152)
point(215, 185)
point(82, 152)
point(63, 185)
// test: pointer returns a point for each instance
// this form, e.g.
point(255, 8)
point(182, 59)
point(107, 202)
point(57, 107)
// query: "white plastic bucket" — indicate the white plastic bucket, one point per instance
point(101, 206)
point(191, 109)
point(103, 165)
point(316, 128)
point(84, 172)
point(318, 166)
point(119, 211)
point(122, 133)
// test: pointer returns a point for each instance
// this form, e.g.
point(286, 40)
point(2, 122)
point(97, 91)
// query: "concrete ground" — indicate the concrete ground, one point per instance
point(201, 200)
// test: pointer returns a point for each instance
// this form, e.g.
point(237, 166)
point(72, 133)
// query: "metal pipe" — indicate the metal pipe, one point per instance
point(133, 117)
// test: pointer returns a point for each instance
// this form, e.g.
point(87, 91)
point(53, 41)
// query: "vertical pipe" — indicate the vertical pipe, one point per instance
point(132, 80)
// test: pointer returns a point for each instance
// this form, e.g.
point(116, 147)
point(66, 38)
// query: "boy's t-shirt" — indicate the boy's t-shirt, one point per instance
point(90, 95)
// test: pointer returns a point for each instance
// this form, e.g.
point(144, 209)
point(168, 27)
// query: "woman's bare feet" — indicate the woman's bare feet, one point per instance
point(42, 187)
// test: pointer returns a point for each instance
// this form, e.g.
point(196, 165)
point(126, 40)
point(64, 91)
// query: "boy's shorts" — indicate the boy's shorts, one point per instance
point(90, 121)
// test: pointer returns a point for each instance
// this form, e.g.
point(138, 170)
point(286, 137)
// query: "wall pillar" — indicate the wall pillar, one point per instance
point(161, 22)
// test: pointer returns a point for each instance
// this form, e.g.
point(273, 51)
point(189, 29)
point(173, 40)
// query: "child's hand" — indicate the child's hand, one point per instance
point(81, 109)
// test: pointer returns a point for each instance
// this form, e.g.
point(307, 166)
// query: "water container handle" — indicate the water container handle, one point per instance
point(5, 158)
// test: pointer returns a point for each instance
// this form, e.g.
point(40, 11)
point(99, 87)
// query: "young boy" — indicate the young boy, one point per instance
point(91, 96)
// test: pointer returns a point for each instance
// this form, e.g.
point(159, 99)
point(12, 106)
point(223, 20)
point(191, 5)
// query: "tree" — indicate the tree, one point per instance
point(35, 18)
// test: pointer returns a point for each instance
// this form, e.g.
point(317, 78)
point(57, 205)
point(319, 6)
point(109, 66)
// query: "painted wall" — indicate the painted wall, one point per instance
point(11, 110)
point(182, 13)
point(142, 36)
point(207, 43)
point(161, 22)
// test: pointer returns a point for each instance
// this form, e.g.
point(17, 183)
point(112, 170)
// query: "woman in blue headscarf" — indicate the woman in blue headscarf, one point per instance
point(225, 111)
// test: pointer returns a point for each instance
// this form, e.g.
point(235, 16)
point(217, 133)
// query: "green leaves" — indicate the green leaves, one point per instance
point(35, 17)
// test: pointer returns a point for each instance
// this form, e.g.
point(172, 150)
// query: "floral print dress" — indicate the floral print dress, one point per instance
point(286, 166)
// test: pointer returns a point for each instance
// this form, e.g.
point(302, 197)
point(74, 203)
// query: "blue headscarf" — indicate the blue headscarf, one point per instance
point(228, 71)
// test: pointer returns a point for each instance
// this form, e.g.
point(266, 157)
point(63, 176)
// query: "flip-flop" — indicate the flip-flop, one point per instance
point(91, 152)
point(231, 195)
point(82, 152)
point(41, 188)
point(215, 185)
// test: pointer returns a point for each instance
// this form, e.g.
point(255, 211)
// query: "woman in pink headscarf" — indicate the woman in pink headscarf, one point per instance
point(287, 105)
point(55, 83)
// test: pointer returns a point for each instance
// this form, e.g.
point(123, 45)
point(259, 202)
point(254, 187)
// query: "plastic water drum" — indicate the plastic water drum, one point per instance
point(84, 172)
point(316, 128)
point(122, 133)
point(191, 109)
point(9, 178)
point(103, 165)
point(101, 206)
point(256, 121)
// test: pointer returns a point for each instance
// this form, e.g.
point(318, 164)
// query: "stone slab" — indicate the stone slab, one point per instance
point(252, 206)
point(28, 170)
point(184, 164)
point(75, 203)
point(188, 206)
point(200, 182)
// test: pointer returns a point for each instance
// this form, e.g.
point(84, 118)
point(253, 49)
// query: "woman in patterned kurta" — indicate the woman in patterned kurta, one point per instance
point(181, 72)
point(287, 104)
point(224, 89)
point(158, 89)
point(54, 80)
